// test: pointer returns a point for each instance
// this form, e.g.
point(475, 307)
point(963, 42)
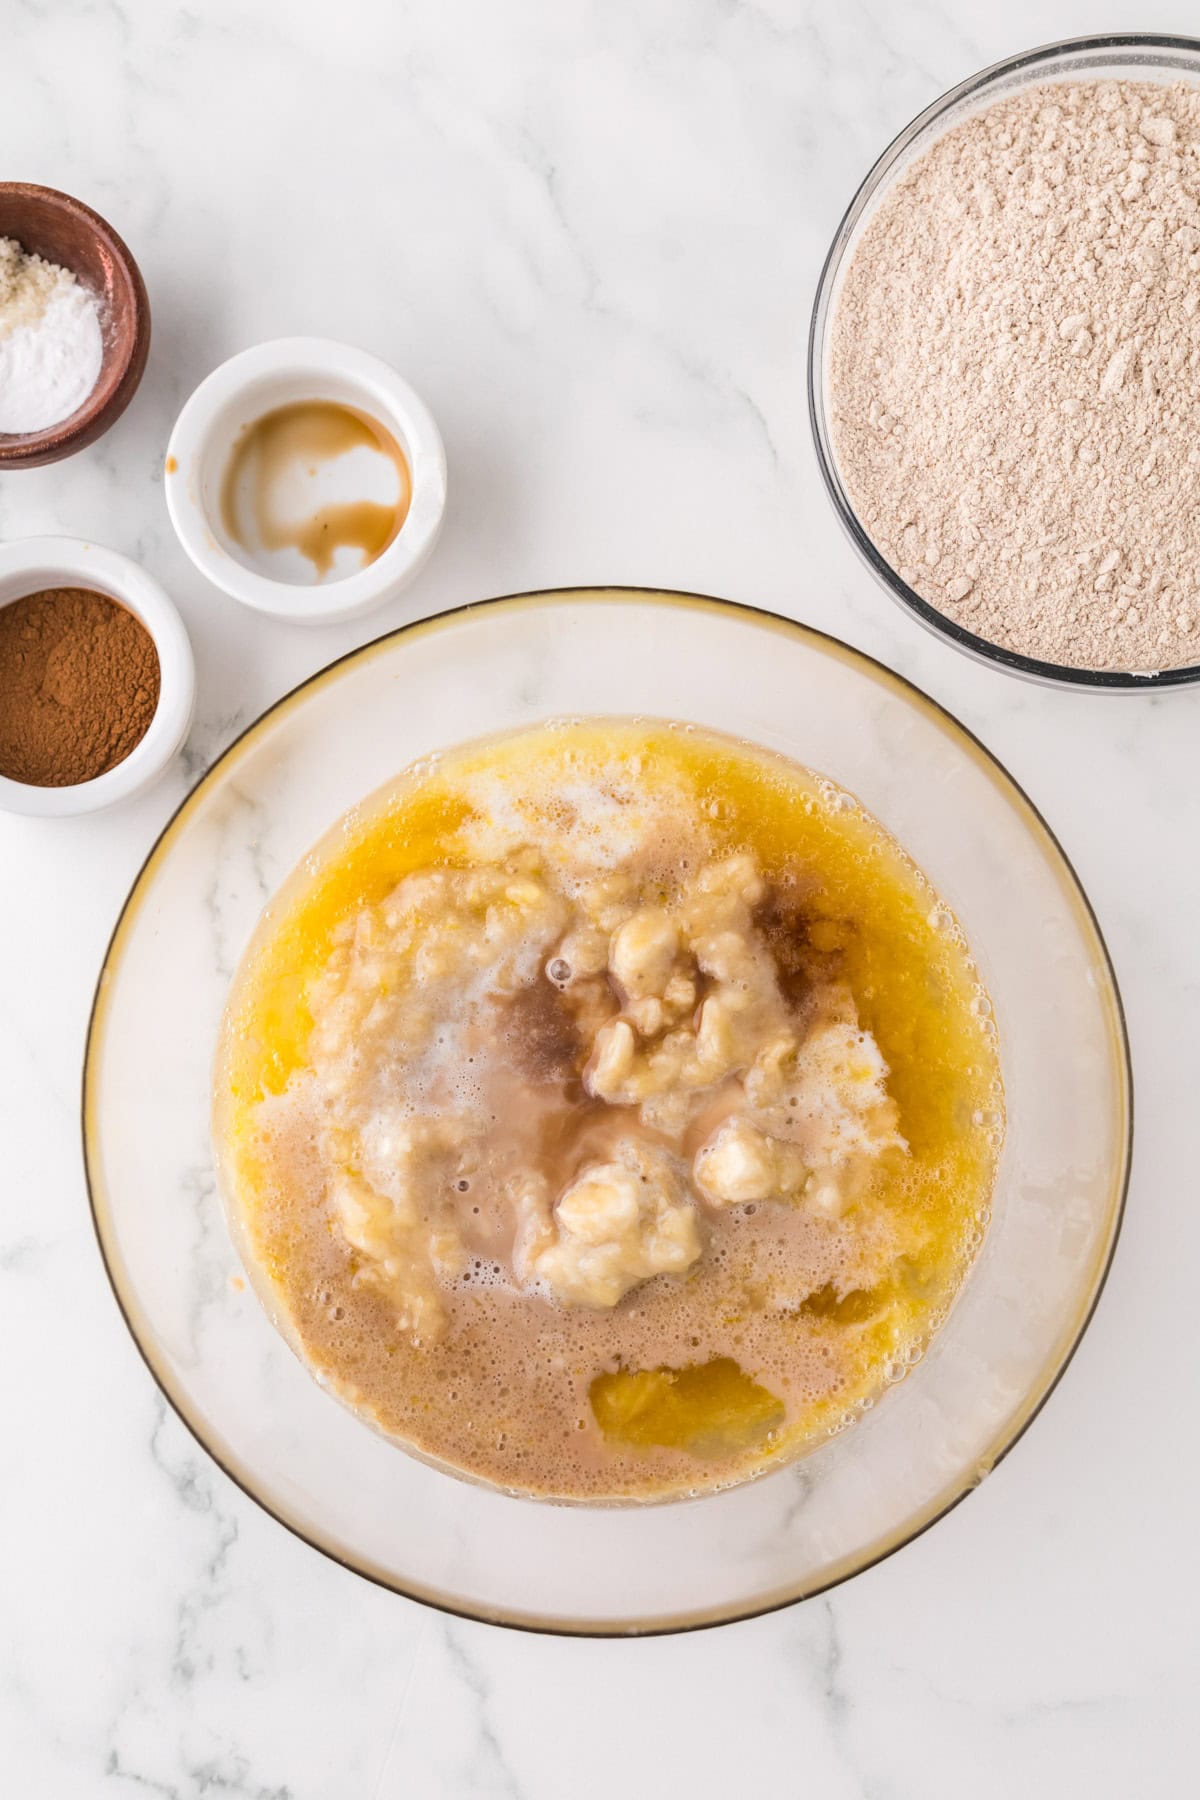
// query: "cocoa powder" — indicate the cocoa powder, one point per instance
point(79, 681)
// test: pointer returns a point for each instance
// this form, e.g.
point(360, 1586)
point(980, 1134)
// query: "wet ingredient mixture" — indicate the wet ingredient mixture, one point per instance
point(326, 483)
point(608, 1111)
point(1015, 375)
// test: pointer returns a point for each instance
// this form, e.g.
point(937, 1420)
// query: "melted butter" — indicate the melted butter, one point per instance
point(305, 439)
point(708, 1408)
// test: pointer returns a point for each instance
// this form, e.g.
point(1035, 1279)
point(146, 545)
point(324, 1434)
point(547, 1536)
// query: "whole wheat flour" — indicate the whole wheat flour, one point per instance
point(1015, 375)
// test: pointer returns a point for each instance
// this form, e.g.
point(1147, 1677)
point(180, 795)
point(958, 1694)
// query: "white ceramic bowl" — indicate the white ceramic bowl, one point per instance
point(282, 373)
point(32, 564)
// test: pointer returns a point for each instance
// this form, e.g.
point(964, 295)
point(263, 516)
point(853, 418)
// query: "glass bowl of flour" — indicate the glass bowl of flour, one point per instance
point(1004, 365)
point(518, 665)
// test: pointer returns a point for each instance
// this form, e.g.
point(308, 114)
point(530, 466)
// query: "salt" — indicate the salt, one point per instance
point(51, 342)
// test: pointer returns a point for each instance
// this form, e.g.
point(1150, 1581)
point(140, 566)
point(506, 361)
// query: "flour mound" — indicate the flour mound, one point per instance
point(1015, 375)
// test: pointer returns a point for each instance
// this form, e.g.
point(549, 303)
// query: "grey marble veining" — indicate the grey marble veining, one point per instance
point(589, 235)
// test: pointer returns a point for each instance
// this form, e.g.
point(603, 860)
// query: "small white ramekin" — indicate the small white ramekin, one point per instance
point(31, 564)
point(282, 373)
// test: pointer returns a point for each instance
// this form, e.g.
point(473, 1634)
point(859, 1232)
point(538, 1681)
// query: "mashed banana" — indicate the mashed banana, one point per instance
point(806, 1102)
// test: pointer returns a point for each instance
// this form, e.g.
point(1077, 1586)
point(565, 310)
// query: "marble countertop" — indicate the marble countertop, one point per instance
point(589, 235)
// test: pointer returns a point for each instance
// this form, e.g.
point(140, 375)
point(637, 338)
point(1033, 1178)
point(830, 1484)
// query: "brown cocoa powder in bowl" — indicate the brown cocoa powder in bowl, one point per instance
point(79, 681)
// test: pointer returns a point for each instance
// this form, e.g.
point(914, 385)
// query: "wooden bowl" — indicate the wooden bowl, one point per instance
point(67, 232)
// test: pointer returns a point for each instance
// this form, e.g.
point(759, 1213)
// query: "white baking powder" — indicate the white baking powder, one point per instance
point(51, 342)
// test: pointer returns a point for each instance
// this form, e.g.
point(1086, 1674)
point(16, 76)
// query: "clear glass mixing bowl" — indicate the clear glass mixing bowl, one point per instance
point(470, 1549)
point(1136, 56)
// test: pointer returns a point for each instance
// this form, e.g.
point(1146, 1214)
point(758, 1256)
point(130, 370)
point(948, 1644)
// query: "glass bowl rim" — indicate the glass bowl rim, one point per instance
point(979, 649)
point(826, 644)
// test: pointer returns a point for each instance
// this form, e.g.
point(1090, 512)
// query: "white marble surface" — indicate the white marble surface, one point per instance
point(589, 235)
